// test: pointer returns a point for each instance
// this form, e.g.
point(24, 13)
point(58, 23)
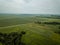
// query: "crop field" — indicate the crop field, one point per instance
point(39, 29)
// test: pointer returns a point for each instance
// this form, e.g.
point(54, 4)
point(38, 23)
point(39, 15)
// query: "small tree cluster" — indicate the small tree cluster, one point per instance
point(13, 38)
point(53, 23)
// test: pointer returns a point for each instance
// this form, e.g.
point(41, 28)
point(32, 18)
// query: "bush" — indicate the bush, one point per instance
point(12, 38)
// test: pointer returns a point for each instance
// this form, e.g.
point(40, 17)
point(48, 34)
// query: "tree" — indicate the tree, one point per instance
point(13, 38)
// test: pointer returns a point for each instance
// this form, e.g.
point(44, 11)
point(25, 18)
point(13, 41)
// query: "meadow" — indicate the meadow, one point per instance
point(37, 32)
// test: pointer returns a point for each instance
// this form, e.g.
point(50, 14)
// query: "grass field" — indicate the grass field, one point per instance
point(36, 34)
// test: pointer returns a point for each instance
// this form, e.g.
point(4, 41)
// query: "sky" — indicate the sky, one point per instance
point(30, 6)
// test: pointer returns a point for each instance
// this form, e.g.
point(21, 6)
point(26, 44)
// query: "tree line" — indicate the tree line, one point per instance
point(51, 23)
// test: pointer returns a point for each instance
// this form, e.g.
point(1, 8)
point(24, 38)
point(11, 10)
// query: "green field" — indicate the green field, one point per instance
point(36, 34)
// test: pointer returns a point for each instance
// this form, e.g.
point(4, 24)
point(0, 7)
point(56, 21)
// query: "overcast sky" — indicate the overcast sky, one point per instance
point(30, 6)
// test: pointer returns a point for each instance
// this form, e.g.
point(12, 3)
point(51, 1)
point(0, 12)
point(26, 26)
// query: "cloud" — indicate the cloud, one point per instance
point(30, 6)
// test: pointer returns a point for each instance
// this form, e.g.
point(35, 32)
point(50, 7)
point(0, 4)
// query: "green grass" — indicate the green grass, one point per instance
point(36, 34)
